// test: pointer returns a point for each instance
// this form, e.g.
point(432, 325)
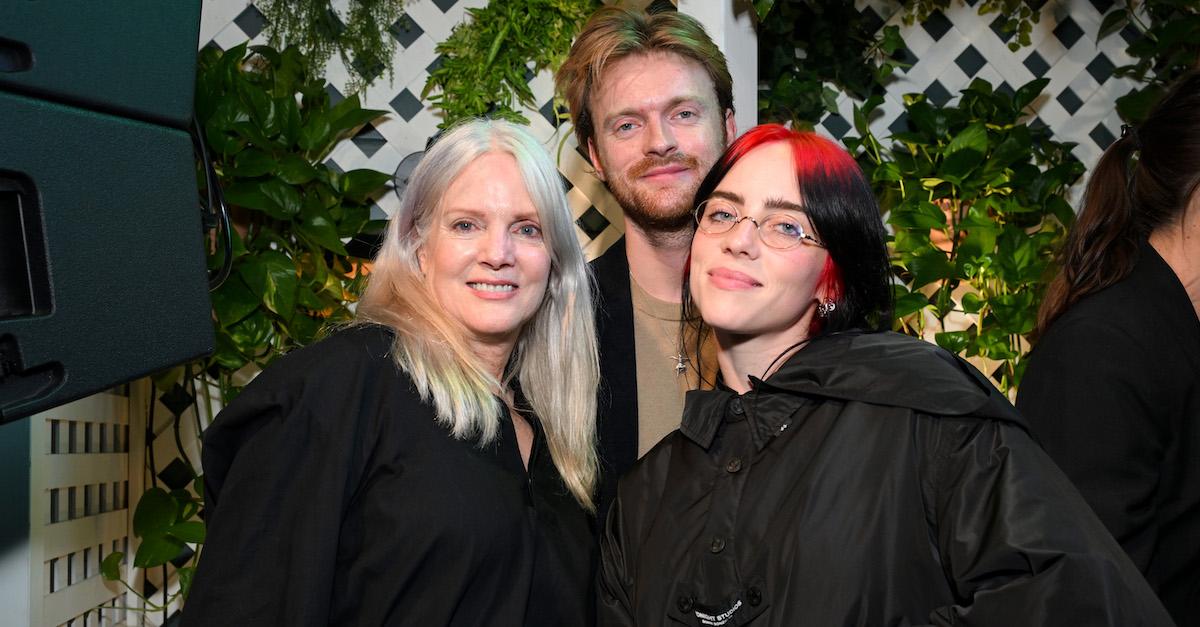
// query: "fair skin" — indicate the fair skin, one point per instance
point(658, 130)
point(487, 263)
point(1178, 243)
point(760, 301)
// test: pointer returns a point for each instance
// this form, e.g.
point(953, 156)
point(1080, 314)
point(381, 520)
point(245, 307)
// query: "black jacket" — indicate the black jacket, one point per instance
point(1113, 392)
point(334, 497)
point(873, 480)
point(617, 406)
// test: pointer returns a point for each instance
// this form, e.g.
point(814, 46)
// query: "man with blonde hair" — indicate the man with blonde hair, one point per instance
point(652, 101)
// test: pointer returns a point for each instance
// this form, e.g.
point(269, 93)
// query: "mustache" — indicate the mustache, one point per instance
point(649, 163)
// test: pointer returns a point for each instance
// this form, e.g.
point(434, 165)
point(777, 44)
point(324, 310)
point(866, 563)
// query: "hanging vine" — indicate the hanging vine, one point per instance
point(486, 58)
point(359, 37)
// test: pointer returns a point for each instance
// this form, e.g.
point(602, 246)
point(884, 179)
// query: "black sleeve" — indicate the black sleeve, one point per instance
point(1088, 396)
point(281, 463)
point(614, 583)
point(1018, 544)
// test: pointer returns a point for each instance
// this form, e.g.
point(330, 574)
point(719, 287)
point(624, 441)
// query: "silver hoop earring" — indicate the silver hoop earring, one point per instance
point(825, 308)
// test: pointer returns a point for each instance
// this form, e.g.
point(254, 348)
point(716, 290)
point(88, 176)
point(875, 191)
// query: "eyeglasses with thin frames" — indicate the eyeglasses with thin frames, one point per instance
point(781, 231)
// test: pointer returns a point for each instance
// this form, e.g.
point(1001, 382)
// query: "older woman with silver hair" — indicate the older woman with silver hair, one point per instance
point(434, 463)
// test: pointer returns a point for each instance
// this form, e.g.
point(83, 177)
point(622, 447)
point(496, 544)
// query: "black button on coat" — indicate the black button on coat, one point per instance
point(883, 482)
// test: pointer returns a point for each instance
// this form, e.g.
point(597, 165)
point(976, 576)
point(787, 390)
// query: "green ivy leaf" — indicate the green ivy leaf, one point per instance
point(233, 301)
point(1028, 92)
point(283, 195)
point(157, 550)
point(349, 114)
point(289, 120)
point(272, 276)
point(191, 531)
point(1134, 106)
point(253, 162)
point(186, 575)
point(304, 329)
point(250, 336)
point(953, 341)
point(929, 266)
point(226, 354)
point(155, 512)
point(295, 170)
point(316, 225)
point(972, 303)
point(907, 303)
point(249, 194)
point(110, 567)
point(762, 8)
point(1014, 313)
point(316, 132)
point(359, 185)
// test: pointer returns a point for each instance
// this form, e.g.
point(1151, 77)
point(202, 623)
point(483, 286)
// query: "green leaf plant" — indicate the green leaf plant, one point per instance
point(1166, 45)
point(974, 198)
point(359, 35)
point(270, 126)
point(487, 57)
point(1016, 16)
point(808, 48)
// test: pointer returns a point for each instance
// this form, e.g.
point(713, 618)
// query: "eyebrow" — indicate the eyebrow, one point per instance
point(481, 213)
point(671, 104)
point(770, 203)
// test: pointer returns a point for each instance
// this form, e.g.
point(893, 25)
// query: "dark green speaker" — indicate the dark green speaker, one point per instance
point(130, 58)
point(102, 273)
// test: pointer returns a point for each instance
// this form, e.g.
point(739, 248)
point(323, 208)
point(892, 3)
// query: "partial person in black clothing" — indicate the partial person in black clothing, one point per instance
point(1113, 385)
point(652, 102)
point(841, 474)
point(434, 463)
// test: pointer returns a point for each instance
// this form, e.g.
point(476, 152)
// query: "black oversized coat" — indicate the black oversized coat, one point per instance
point(1113, 392)
point(617, 402)
point(334, 497)
point(873, 480)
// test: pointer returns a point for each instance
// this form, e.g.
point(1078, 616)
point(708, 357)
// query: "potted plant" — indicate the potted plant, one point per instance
point(975, 198)
point(269, 125)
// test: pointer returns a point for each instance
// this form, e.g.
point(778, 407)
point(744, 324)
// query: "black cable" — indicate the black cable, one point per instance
point(214, 207)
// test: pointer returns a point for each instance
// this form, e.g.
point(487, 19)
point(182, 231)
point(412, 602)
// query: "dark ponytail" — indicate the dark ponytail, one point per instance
point(1144, 180)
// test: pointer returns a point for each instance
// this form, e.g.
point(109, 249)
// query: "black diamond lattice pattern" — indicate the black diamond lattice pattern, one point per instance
point(970, 61)
point(406, 30)
point(251, 21)
point(1068, 32)
point(592, 222)
point(937, 25)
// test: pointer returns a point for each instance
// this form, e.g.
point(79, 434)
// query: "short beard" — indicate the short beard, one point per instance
point(654, 215)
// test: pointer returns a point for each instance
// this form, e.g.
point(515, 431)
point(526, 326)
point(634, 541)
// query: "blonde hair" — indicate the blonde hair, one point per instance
point(613, 33)
point(554, 360)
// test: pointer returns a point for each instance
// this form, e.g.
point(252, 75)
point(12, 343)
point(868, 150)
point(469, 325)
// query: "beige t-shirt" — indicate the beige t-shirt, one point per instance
point(661, 382)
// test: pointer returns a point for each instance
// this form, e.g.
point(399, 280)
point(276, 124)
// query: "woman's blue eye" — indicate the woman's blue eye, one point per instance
point(718, 215)
point(529, 230)
point(788, 228)
point(463, 226)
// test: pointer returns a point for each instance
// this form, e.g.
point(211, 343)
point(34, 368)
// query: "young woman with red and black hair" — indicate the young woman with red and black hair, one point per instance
point(839, 473)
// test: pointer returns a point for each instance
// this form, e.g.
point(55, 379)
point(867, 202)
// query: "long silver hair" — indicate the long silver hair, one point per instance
point(555, 359)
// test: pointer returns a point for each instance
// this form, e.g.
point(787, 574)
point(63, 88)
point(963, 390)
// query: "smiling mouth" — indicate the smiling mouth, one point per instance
point(664, 172)
point(732, 279)
point(492, 287)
